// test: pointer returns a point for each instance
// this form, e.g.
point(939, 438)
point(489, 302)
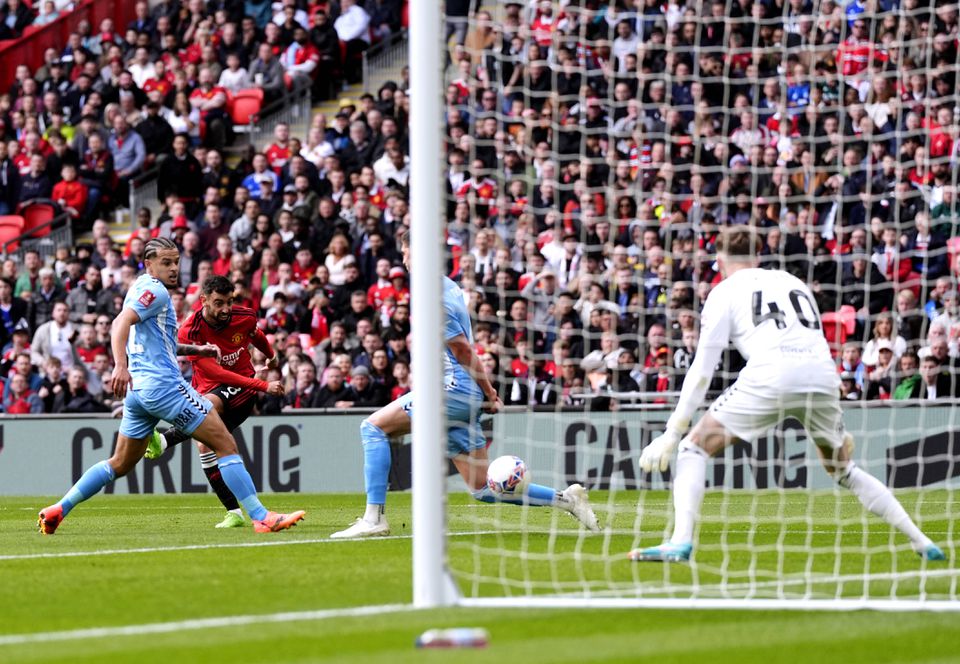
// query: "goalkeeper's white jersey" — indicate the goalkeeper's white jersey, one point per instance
point(771, 317)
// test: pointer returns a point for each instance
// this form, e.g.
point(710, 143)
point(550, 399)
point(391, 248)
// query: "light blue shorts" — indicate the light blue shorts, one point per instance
point(182, 406)
point(462, 419)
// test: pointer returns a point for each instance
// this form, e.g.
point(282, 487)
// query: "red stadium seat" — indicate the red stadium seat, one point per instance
point(838, 325)
point(244, 107)
point(36, 214)
point(11, 227)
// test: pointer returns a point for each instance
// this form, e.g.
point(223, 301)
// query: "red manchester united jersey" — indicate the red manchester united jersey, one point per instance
point(233, 340)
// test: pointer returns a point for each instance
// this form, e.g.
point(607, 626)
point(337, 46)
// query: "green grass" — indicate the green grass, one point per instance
point(494, 551)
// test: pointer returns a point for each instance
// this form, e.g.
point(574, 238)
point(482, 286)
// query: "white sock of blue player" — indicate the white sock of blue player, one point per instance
point(536, 495)
point(90, 483)
point(376, 469)
point(688, 490)
point(878, 499)
point(240, 483)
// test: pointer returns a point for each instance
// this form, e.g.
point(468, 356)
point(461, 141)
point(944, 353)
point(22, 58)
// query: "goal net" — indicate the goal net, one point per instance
point(595, 149)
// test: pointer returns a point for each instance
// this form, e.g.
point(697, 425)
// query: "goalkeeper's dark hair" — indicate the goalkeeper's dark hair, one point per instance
point(156, 245)
point(217, 284)
point(739, 243)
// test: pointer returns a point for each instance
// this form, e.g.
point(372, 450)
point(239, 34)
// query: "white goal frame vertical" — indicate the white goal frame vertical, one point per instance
point(430, 580)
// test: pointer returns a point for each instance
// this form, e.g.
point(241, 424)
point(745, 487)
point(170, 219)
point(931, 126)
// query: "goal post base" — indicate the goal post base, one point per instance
point(527, 602)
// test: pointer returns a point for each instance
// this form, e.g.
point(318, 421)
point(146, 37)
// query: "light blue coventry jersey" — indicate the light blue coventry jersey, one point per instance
point(457, 322)
point(152, 346)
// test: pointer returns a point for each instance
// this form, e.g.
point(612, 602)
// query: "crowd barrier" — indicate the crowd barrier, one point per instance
point(908, 445)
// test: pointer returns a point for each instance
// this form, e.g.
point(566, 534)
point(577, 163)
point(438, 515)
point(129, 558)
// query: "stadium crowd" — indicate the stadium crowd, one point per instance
point(594, 151)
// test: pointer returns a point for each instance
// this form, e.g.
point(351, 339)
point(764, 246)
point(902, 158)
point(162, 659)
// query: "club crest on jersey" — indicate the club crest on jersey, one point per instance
point(147, 298)
point(237, 338)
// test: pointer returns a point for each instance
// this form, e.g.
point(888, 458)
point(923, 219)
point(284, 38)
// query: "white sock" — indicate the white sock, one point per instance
point(163, 442)
point(373, 514)
point(688, 490)
point(878, 499)
point(237, 511)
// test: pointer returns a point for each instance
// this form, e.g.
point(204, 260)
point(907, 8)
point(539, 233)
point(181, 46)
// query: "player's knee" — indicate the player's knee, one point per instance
point(692, 444)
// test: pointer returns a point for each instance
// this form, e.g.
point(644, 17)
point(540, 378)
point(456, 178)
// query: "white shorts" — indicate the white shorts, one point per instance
point(748, 411)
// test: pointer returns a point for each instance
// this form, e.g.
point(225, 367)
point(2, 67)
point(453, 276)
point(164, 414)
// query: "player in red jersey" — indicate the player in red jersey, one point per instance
point(230, 383)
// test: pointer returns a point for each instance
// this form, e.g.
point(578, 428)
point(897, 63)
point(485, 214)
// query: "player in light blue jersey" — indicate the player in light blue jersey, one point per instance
point(466, 386)
point(144, 342)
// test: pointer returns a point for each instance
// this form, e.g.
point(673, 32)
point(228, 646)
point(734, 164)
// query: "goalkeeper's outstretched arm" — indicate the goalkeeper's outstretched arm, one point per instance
point(714, 339)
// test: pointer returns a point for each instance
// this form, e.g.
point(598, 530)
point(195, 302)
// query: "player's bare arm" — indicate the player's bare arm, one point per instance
point(467, 358)
point(206, 350)
point(119, 334)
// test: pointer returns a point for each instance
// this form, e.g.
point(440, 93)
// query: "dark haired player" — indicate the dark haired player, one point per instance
point(147, 378)
point(230, 383)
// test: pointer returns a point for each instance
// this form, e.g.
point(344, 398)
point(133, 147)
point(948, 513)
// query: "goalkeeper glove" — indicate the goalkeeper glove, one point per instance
point(657, 454)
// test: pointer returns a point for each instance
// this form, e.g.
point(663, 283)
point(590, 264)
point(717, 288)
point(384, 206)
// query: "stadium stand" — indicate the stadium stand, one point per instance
point(594, 152)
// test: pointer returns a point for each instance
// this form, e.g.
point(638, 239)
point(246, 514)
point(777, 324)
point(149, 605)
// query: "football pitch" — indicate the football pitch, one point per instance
point(148, 579)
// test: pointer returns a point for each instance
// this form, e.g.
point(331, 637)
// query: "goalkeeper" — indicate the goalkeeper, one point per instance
point(771, 318)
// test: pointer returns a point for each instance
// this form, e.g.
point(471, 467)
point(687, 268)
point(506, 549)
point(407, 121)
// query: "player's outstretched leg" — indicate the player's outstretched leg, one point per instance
point(574, 499)
point(473, 468)
point(376, 471)
point(97, 476)
point(876, 497)
point(212, 433)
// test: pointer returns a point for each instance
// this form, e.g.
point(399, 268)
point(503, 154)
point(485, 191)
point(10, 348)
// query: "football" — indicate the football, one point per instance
point(508, 476)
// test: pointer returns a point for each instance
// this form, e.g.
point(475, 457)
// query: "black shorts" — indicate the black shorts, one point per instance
point(238, 404)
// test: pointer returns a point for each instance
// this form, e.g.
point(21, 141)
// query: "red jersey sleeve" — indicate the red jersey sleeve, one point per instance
point(214, 372)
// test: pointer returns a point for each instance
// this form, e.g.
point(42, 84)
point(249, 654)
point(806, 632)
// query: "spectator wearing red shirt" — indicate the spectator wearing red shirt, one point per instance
point(69, 193)
point(383, 287)
point(857, 51)
point(399, 280)
point(211, 101)
point(21, 400)
point(87, 345)
point(304, 266)
point(301, 58)
point(278, 152)
point(221, 264)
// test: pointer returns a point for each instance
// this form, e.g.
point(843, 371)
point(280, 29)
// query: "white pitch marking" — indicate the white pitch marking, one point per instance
point(231, 545)
point(200, 623)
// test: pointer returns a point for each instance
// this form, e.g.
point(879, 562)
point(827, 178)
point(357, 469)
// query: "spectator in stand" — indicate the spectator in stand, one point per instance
point(69, 193)
point(76, 398)
point(44, 299)
point(353, 29)
point(301, 58)
point(129, 154)
point(935, 382)
point(180, 175)
point(235, 77)
point(20, 399)
point(54, 338)
point(52, 384)
point(883, 330)
point(306, 392)
point(335, 392)
point(210, 101)
point(35, 183)
point(267, 73)
point(89, 299)
point(96, 173)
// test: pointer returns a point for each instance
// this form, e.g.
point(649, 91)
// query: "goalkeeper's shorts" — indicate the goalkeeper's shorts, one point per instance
point(748, 411)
